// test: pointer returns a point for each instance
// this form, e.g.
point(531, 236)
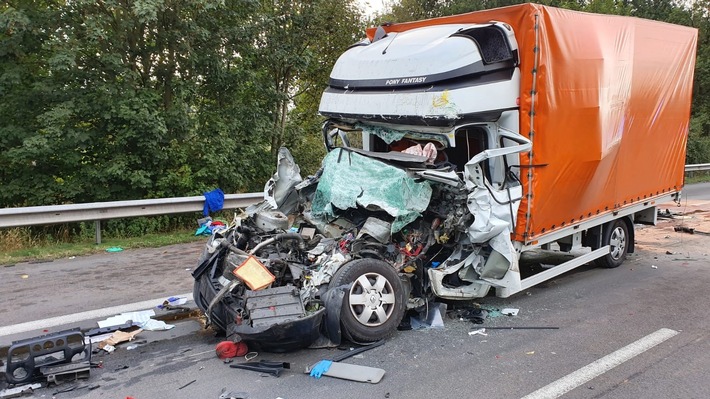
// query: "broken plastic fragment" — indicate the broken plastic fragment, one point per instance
point(173, 301)
point(510, 311)
point(433, 319)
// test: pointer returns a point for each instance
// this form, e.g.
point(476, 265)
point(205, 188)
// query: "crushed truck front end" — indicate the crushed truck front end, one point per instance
point(451, 151)
point(388, 221)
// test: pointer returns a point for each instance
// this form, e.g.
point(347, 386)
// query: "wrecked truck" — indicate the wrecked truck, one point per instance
point(455, 145)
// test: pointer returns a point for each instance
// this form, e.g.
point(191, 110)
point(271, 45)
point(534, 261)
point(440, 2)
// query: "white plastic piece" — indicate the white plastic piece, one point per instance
point(510, 311)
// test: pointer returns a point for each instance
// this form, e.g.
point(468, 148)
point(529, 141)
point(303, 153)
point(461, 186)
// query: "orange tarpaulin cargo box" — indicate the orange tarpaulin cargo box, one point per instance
point(605, 101)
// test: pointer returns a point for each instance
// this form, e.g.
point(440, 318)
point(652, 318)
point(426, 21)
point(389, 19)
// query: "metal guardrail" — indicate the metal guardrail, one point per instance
point(97, 211)
point(697, 167)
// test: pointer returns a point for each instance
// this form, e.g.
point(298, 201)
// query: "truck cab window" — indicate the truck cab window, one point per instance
point(470, 140)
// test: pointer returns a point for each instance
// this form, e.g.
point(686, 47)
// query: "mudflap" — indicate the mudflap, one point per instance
point(333, 300)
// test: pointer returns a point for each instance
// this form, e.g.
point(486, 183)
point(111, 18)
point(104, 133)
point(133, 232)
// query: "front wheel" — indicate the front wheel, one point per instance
point(374, 304)
point(616, 236)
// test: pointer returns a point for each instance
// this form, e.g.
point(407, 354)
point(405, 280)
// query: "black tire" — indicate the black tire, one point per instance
point(616, 234)
point(379, 294)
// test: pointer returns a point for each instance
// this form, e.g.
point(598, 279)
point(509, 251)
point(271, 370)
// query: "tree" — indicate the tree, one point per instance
point(297, 43)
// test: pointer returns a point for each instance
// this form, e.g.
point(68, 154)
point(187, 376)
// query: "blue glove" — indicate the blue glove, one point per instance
point(320, 368)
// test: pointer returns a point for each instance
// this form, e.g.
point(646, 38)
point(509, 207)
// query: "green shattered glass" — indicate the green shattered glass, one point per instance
point(387, 135)
point(352, 180)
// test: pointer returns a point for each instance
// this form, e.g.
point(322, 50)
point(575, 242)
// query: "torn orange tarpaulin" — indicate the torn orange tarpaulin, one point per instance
point(605, 101)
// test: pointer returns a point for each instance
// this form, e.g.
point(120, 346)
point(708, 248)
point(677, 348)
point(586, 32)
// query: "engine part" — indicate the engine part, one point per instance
point(378, 229)
point(271, 220)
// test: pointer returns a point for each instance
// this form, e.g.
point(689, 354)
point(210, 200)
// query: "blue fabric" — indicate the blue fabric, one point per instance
point(321, 367)
point(203, 230)
point(214, 201)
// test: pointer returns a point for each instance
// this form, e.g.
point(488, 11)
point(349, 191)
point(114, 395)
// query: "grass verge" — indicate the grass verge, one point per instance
point(697, 177)
point(56, 250)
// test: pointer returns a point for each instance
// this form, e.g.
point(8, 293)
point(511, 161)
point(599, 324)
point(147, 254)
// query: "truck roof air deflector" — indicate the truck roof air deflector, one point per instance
point(491, 42)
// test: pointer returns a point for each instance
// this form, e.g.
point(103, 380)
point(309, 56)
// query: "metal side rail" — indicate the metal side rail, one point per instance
point(97, 211)
point(564, 267)
point(42, 215)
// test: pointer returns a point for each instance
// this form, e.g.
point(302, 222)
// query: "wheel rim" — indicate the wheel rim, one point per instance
point(617, 241)
point(371, 299)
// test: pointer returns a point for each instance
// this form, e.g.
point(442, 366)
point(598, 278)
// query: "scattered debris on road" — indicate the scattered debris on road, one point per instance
point(510, 311)
point(332, 367)
point(263, 366)
point(142, 319)
point(233, 395)
point(16, 392)
point(188, 384)
point(522, 328)
point(119, 337)
point(690, 230)
point(229, 349)
point(480, 331)
point(67, 372)
point(173, 303)
point(26, 357)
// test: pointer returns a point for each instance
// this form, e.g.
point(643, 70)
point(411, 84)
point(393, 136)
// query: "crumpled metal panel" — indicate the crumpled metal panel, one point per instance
point(279, 191)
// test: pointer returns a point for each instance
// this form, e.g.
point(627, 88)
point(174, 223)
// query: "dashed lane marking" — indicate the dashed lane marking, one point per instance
point(601, 366)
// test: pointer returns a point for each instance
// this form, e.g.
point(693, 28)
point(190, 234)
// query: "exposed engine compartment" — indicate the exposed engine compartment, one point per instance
point(348, 250)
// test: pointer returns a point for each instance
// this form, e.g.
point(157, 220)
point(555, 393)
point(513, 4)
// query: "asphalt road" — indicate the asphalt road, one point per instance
point(698, 191)
point(598, 311)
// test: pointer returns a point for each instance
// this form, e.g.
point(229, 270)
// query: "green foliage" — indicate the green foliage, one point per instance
point(129, 99)
point(115, 100)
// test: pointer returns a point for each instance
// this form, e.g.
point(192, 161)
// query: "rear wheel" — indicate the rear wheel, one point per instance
point(616, 236)
point(374, 304)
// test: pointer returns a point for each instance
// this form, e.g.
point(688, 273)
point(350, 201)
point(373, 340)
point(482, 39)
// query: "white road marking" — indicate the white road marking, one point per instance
point(82, 316)
point(601, 366)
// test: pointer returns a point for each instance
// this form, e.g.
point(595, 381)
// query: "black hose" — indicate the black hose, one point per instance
point(291, 236)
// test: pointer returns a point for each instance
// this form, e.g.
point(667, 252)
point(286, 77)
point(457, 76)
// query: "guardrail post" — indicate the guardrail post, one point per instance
point(97, 228)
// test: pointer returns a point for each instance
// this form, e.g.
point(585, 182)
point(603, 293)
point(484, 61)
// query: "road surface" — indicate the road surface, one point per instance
point(640, 330)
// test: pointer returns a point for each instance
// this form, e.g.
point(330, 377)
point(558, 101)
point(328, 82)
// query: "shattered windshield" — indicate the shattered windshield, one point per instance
point(376, 138)
point(347, 183)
